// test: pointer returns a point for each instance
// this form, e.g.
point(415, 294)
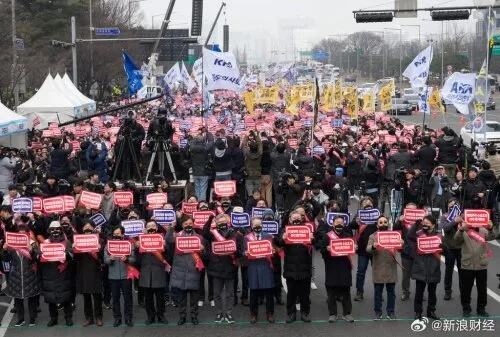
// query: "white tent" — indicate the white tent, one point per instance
point(88, 104)
point(12, 128)
point(49, 105)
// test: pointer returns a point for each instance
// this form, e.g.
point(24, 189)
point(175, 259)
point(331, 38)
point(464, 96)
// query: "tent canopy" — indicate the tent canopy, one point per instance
point(12, 128)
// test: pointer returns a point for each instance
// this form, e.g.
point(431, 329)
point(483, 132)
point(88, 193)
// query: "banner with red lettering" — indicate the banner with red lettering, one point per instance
point(17, 240)
point(69, 203)
point(187, 244)
point(156, 200)
point(119, 248)
point(53, 252)
point(298, 235)
point(226, 247)
point(85, 243)
point(225, 188)
point(259, 249)
point(53, 205)
point(37, 204)
point(151, 243)
point(388, 240)
point(123, 199)
point(477, 217)
point(91, 200)
point(429, 244)
point(201, 217)
point(342, 247)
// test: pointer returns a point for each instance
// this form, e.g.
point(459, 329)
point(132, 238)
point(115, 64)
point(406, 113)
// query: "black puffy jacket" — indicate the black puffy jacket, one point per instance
point(57, 281)
point(298, 259)
point(23, 280)
point(448, 149)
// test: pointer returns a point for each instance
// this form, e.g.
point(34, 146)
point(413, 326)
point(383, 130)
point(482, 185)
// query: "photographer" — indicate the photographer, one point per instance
point(59, 159)
point(440, 188)
point(412, 188)
point(133, 131)
point(252, 148)
point(280, 162)
point(290, 190)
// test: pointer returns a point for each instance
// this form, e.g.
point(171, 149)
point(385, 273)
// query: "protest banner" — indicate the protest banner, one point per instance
point(187, 244)
point(259, 249)
point(123, 199)
point(411, 215)
point(98, 219)
point(17, 240)
point(133, 228)
point(201, 217)
point(330, 216)
point(53, 205)
point(368, 216)
point(90, 200)
point(85, 243)
point(37, 204)
point(270, 227)
point(156, 200)
point(22, 205)
point(298, 235)
point(388, 240)
point(240, 219)
point(164, 216)
point(259, 212)
point(53, 252)
point(151, 243)
point(189, 207)
point(119, 248)
point(477, 217)
point(226, 247)
point(342, 247)
point(69, 203)
point(429, 244)
point(225, 188)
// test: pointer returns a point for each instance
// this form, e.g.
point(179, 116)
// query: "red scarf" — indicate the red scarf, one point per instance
point(62, 265)
point(477, 236)
point(251, 237)
point(333, 236)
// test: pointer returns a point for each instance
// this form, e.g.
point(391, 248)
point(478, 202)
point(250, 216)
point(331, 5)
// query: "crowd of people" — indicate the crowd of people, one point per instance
point(372, 162)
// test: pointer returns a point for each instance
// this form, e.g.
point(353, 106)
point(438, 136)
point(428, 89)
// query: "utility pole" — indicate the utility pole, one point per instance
point(215, 22)
point(73, 51)
point(91, 29)
point(15, 87)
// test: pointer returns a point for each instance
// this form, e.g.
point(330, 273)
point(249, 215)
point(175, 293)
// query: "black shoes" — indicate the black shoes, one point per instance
point(69, 321)
point(305, 318)
point(161, 319)
point(432, 315)
point(149, 321)
point(195, 321)
point(117, 323)
point(181, 321)
point(52, 322)
point(129, 323)
point(291, 318)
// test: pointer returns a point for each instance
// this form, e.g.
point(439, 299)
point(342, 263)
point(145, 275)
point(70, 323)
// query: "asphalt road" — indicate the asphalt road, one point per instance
point(362, 312)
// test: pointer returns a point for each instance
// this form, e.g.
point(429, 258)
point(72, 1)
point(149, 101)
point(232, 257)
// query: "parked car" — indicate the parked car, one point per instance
point(492, 134)
point(400, 106)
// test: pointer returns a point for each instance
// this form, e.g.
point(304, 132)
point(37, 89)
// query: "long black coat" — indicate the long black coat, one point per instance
point(220, 266)
point(337, 268)
point(298, 259)
point(88, 274)
point(152, 271)
point(23, 280)
point(426, 267)
point(58, 283)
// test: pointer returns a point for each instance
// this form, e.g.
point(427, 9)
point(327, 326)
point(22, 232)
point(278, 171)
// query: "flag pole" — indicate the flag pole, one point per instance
point(315, 111)
point(487, 93)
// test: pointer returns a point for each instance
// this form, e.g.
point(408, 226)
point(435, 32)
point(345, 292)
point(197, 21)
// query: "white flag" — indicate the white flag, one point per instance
point(418, 70)
point(198, 71)
point(221, 71)
point(173, 75)
point(186, 78)
point(460, 89)
point(423, 100)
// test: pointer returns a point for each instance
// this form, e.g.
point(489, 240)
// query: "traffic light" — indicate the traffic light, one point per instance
point(225, 40)
point(197, 18)
point(363, 17)
point(450, 15)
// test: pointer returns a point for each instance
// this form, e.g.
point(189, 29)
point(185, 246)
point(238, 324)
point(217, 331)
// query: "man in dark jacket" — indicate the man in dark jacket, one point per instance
point(297, 271)
point(338, 270)
point(252, 148)
point(221, 267)
point(426, 270)
point(425, 156)
point(280, 162)
point(153, 280)
point(59, 162)
point(57, 278)
point(474, 190)
point(199, 152)
point(448, 146)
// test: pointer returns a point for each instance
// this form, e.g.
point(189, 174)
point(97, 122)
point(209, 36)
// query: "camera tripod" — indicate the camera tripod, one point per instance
point(127, 141)
point(161, 149)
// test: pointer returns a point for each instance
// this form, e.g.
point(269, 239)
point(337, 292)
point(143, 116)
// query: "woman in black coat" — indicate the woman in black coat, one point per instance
point(89, 281)
point(338, 270)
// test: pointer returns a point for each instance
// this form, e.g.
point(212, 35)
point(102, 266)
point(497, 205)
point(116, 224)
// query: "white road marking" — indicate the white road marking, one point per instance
point(7, 317)
point(490, 292)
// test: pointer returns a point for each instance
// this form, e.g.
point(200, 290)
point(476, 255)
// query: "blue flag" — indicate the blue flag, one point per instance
point(215, 47)
point(134, 75)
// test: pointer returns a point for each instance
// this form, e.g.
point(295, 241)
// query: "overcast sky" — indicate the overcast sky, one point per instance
point(263, 26)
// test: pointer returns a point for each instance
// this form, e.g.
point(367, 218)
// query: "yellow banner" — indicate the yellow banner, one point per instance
point(305, 92)
point(369, 102)
point(249, 99)
point(292, 101)
point(328, 97)
point(351, 97)
point(265, 95)
point(435, 100)
point(385, 95)
point(337, 95)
